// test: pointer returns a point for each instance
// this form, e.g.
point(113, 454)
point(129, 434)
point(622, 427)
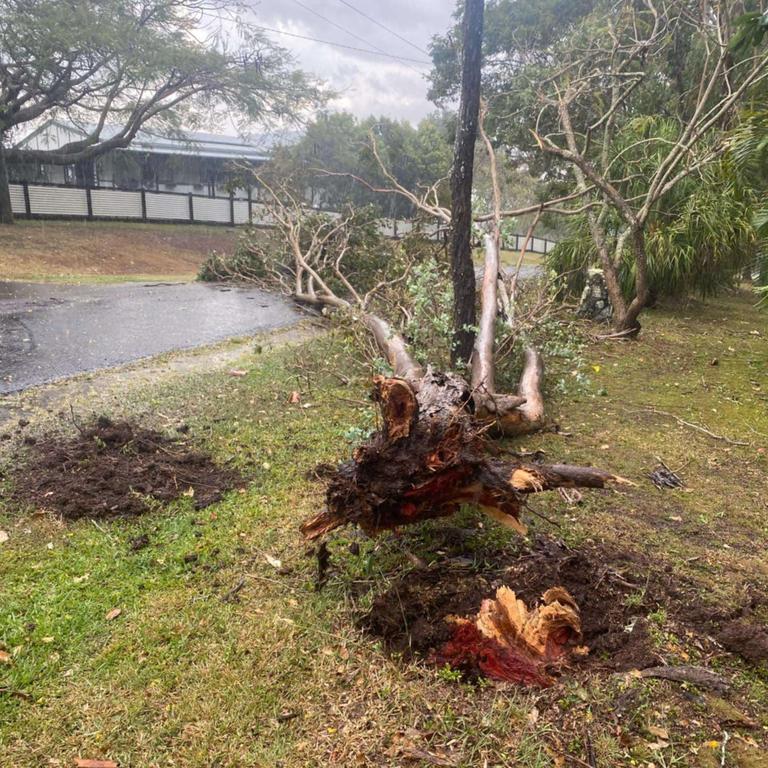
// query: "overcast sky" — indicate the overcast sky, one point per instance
point(366, 83)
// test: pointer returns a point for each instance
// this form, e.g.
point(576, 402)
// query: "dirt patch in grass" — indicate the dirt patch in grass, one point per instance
point(615, 590)
point(116, 468)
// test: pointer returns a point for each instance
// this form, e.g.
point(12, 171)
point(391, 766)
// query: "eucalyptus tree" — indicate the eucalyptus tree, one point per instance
point(118, 64)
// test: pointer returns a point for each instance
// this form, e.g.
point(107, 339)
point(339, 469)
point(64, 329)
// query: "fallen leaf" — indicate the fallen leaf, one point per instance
point(5, 657)
point(4, 537)
point(237, 372)
point(276, 563)
point(47, 639)
point(189, 492)
point(656, 746)
point(81, 763)
point(294, 398)
point(113, 614)
point(659, 733)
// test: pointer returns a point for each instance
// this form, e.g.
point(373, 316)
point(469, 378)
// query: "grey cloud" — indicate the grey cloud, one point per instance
point(366, 83)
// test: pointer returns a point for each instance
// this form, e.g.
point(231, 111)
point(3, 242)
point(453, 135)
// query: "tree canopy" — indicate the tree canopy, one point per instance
point(176, 63)
point(336, 151)
point(630, 105)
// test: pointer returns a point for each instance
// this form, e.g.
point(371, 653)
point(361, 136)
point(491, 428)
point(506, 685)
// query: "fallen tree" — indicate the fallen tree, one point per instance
point(431, 453)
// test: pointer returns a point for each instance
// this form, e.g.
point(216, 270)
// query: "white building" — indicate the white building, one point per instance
point(201, 163)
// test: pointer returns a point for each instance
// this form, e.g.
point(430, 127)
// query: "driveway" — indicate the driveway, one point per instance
point(51, 331)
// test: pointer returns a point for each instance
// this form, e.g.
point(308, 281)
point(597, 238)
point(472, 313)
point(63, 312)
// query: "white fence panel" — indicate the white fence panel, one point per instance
point(126, 204)
point(404, 227)
point(261, 216)
point(58, 201)
point(241, 211)
point(211, 209)
point(17, 199)
point(167, 206)
point(387, 227)
point(115, 203)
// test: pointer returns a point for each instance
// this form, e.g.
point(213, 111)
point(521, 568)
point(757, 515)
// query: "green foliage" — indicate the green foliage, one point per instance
point(108, 62)
point(749, 149)
point(429, 296)
point(700, 236)
point(339, 143)
point(751, 29)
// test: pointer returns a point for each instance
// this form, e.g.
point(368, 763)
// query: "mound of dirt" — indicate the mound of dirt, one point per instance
point(746, 638)
point(115, 468)
point(410, 616)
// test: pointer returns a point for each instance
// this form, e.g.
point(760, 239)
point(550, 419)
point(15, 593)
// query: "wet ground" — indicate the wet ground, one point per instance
point(50, 331)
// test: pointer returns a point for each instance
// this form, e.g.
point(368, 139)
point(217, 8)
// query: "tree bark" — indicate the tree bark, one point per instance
point(462, 266)
point(625, 316)
point(431, 456)
point(6, 211)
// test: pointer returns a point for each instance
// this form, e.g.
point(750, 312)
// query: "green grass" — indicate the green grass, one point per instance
point(510, 258)
point(280, 675)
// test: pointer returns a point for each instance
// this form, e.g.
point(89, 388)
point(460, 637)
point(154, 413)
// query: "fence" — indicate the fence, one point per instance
point(54, 201)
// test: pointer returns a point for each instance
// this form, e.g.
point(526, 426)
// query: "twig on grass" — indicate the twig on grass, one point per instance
point(688, 674)
point(696, 427)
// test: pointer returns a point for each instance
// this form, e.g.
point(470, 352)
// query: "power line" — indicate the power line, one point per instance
point(338, 45)
point(384, 27)
point(339, 26)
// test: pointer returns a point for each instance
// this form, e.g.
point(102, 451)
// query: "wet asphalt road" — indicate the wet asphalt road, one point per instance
point(50, 331)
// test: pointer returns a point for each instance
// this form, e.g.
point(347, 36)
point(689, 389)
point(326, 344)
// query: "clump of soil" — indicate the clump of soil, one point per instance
point(745, 638)
point(116, 468)
point(410, 616)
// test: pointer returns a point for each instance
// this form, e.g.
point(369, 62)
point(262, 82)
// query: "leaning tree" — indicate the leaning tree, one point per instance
point(110, 67)
point(431, 452)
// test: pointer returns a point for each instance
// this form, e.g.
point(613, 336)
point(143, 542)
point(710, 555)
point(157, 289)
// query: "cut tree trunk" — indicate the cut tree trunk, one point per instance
point(429, 457)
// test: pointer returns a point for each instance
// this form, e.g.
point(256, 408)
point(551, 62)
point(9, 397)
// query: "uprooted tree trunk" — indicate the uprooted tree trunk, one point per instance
point(431, 453)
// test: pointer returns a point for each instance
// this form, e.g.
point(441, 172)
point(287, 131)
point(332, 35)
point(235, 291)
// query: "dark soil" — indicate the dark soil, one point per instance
point(745, 638)
point(115, 468)
point(410, 615)
point(615, 591)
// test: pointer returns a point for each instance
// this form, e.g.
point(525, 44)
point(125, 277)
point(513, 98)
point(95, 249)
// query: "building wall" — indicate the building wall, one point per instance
point(132, 170)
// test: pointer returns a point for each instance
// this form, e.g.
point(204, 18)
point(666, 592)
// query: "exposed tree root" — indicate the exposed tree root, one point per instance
point(429, 457)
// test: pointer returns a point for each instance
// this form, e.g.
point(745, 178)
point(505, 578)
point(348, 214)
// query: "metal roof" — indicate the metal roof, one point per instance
point(193, 143)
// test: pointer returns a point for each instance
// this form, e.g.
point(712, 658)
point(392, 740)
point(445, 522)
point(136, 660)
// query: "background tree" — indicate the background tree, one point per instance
point(122, 64)
point(623, 102)
point(340, 144)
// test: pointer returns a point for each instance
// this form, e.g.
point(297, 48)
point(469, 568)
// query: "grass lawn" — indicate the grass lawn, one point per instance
point(510, 258)
point(222, 660)
point(103, 251)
